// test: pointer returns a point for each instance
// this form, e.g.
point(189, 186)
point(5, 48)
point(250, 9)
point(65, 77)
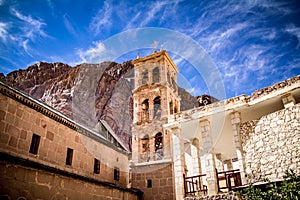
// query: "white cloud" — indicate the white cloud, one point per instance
point(3, 31)
point(102, 20)
point(92, 54)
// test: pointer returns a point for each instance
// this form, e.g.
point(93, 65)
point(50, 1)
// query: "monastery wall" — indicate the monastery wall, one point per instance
point(18, 181)
point(271, 144)
point(154, 180)
point(20, 125)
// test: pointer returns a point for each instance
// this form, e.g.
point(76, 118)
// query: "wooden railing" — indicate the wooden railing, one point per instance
point(193, 185)
point(231, 178)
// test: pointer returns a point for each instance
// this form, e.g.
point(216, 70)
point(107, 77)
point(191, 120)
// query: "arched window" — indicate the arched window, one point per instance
point(145, 149)
point(159, 152)
point(145, 104)
point(145, 110)
point(155, 75)
point(145, 76)
point(157, 107)
point(171, 107)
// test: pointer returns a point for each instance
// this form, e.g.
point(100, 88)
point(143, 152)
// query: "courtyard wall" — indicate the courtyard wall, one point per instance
point(271, 144)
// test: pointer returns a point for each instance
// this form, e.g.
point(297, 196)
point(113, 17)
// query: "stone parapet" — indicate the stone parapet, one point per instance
point(268, 90)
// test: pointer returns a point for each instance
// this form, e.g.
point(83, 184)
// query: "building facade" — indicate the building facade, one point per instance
point(46, 155)
point(206, 150)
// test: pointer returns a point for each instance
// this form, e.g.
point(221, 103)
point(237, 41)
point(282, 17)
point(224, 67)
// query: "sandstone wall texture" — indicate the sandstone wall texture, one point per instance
point(271, 144)
point(162, 183)
point(19, 182)
point(18, 123)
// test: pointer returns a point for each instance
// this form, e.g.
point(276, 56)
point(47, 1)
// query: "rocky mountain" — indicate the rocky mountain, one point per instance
point(87, 92)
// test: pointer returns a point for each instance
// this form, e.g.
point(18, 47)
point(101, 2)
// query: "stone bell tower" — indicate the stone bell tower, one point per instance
point(155, 96)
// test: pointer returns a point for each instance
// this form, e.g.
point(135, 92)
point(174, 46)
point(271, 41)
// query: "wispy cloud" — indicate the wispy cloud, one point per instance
point(102, 20)
point(31, 27)
point(3, 31)
point(70, 26)
point(295, 31)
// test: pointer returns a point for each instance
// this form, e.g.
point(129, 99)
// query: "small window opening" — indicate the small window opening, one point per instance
point(145, 77)
point(155, 74)
point(116, 174)
point(159, 152)
point(149, 183)
point(35, 142)
point(96, 166)
point(69, 156)
point(171, 107)
point(157, 108)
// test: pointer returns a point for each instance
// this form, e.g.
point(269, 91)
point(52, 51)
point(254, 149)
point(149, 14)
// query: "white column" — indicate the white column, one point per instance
point(195, 151)
point(235, 121)
point(178, 159)
point(208, 157)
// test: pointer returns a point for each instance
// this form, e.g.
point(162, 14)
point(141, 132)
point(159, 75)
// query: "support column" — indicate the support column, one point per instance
point(219, 162)
point(179, 162)
point(208, 155)
point(228, 164)
point(235, 121)
point(195, 151)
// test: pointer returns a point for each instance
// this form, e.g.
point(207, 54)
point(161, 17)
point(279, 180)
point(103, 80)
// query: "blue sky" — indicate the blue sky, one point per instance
point(246, 44)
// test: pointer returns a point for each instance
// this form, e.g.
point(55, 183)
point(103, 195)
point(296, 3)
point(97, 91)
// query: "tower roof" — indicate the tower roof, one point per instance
point(156, 55)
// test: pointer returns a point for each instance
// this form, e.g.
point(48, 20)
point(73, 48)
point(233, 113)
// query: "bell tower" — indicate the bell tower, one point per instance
point(155, 96)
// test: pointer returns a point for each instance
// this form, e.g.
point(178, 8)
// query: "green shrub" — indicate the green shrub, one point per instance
point(289, 189)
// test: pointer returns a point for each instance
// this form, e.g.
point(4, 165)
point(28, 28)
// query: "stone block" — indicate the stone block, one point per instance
point(50, 135)
point(19, 113)
point(4, 138)
point(23, 134)
point(3, 103)
point(2, 115)
point(23, 145)
point(13, 141)
point(2, 127)
point(10, 118)
point(12, 108)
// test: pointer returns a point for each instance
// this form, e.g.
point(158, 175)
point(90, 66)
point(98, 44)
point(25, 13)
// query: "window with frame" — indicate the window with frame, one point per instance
point(35, 142)
point(116, 174)
point(69, 157)
point(96, 166)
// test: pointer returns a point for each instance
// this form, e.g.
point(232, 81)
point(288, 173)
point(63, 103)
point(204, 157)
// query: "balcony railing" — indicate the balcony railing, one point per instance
point(228, 180)
point(193, 185)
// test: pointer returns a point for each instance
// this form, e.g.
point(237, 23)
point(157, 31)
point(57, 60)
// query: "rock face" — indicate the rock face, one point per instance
point(87, 92)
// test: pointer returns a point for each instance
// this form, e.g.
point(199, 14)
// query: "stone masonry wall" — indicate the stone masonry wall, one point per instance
point(18, 182)
point(271, 144)
point(161, 177)
point(17, 125)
